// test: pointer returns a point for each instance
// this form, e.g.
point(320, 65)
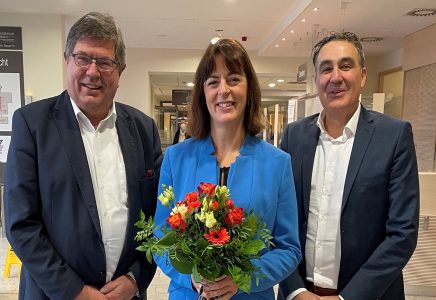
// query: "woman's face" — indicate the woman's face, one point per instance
point(226, 96)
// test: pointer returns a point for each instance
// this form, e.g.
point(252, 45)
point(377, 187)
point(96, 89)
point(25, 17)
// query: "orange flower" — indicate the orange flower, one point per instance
point(218, 237)
point(191, 197)
point(234, 216)
point(176, 222)
point(191, 201)
point(215, 205)
point(207, 188)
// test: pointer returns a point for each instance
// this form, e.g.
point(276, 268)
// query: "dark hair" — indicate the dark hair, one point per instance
point(237, 61)
point(97, 26)
point(340, 36)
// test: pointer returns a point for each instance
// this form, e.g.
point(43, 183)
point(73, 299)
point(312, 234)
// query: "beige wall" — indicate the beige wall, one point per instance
point(420, 48)
point(42, 52)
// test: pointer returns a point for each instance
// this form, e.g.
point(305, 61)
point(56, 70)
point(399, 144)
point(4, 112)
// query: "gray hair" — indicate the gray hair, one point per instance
point(340, 36)
point(97, 26)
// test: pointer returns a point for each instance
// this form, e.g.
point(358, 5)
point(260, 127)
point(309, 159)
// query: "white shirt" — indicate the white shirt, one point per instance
point(323, 238)
point(108, 175)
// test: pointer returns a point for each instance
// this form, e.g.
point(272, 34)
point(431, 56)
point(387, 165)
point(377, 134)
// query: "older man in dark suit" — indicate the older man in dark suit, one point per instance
point(80, 169)
point(357, 188)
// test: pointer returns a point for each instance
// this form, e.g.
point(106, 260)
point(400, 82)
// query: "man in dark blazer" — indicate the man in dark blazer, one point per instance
point(356, 182)
point(80, 169)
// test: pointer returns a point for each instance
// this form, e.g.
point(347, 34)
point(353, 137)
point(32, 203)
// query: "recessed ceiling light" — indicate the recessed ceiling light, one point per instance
point(277, 45)
point(371, 39)
point(283, 39)
point(292, 31)
point(303, 20)
point(190, 84)
point(280, 80)
point(422, 12)
point(272, 84)
point(316, 9)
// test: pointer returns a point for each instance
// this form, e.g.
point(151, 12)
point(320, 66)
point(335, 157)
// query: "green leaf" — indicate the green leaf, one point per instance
point(142, 248)
point(142, 215)
point(168, 239)
point(254, 247)
point(181, 263)
point(149, 255)
point(242, 279)
point(196, 274)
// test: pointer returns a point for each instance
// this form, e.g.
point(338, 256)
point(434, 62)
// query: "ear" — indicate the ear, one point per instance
point(363, 74)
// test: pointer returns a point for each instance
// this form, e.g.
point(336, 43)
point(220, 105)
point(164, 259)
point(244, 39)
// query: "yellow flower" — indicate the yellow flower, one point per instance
point(164, 200)
point(166, 196)
point(200, 216)
point(210, 220)
point(180, 209)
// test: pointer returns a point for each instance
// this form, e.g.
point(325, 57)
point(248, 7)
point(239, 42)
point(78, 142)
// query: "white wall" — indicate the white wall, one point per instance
point(42, 52)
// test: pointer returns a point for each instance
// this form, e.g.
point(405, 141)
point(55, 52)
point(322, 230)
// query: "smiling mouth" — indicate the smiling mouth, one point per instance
point(92, 86)
point(225, 104)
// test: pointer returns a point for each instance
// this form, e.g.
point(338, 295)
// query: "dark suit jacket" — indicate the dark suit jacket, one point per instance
point(380, 205)
point(51, 218)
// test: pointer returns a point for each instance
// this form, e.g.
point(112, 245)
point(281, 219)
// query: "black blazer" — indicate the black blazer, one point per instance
point(51, 215)
point(380, 205)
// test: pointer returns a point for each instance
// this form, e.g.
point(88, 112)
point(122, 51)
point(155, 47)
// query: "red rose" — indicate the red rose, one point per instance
point(191, 201)
point(215, 205)
point(218, 237)
point(230, 204)
point(191, 197)
point(207, 188)
point(176, 222)
point(234, 216)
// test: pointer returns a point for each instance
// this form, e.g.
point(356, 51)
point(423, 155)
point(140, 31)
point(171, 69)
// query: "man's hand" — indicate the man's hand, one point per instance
point(90, 293)
point(122, 288)
point(306, 295)
point(223, 288)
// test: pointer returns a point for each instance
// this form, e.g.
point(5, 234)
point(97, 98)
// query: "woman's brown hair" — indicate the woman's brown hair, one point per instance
point(237, 61)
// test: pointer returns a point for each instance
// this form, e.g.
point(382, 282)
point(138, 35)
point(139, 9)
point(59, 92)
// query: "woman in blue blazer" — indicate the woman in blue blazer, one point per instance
point(225, 116)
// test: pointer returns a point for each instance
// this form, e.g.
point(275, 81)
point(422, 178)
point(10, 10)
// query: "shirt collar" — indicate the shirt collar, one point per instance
point(80, 116)
point(349, 129)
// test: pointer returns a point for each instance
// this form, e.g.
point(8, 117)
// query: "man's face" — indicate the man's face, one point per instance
point(339, 77)
point(92, 89)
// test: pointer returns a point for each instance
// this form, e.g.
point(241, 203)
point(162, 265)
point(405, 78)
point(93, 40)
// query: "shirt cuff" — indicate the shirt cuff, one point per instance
point(295, 293)
point(340, 297)
point(130, 274)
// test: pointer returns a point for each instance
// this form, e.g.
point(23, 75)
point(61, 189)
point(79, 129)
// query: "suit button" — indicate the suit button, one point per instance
point(102, 274)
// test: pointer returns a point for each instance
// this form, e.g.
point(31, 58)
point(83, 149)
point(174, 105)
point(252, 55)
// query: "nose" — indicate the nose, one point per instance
point(223, 88)
point(92, 69)
point(336, 75)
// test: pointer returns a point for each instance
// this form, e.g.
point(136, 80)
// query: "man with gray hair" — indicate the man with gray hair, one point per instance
point(356, 180)
point(80, 169)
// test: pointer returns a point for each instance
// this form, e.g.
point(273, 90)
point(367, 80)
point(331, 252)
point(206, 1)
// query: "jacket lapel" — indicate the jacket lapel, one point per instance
point(207, 169)
point(128, 140)
point(364, 131)
point(308, 155)
point(69, 131)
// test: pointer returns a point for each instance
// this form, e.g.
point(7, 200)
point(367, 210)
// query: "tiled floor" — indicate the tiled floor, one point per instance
point(156, 291)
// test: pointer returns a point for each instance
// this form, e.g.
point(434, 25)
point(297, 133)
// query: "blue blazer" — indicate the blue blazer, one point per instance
point(380, 205)
point(259, 179)
point(51, 217)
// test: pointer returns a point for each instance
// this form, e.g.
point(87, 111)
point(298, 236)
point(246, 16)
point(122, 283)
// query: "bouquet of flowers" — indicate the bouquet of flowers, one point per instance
point(207, 236)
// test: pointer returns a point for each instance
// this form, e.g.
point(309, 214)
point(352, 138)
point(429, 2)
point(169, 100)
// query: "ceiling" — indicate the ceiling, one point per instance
point(273, 28)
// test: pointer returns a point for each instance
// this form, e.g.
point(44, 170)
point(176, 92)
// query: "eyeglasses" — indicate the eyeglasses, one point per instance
point(103, 64)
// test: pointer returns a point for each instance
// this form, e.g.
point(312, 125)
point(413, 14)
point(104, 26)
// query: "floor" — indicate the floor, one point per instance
point(156, 291)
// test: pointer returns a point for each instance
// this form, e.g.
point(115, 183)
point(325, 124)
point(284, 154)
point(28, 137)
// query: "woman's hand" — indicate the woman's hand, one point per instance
point(223, 288)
